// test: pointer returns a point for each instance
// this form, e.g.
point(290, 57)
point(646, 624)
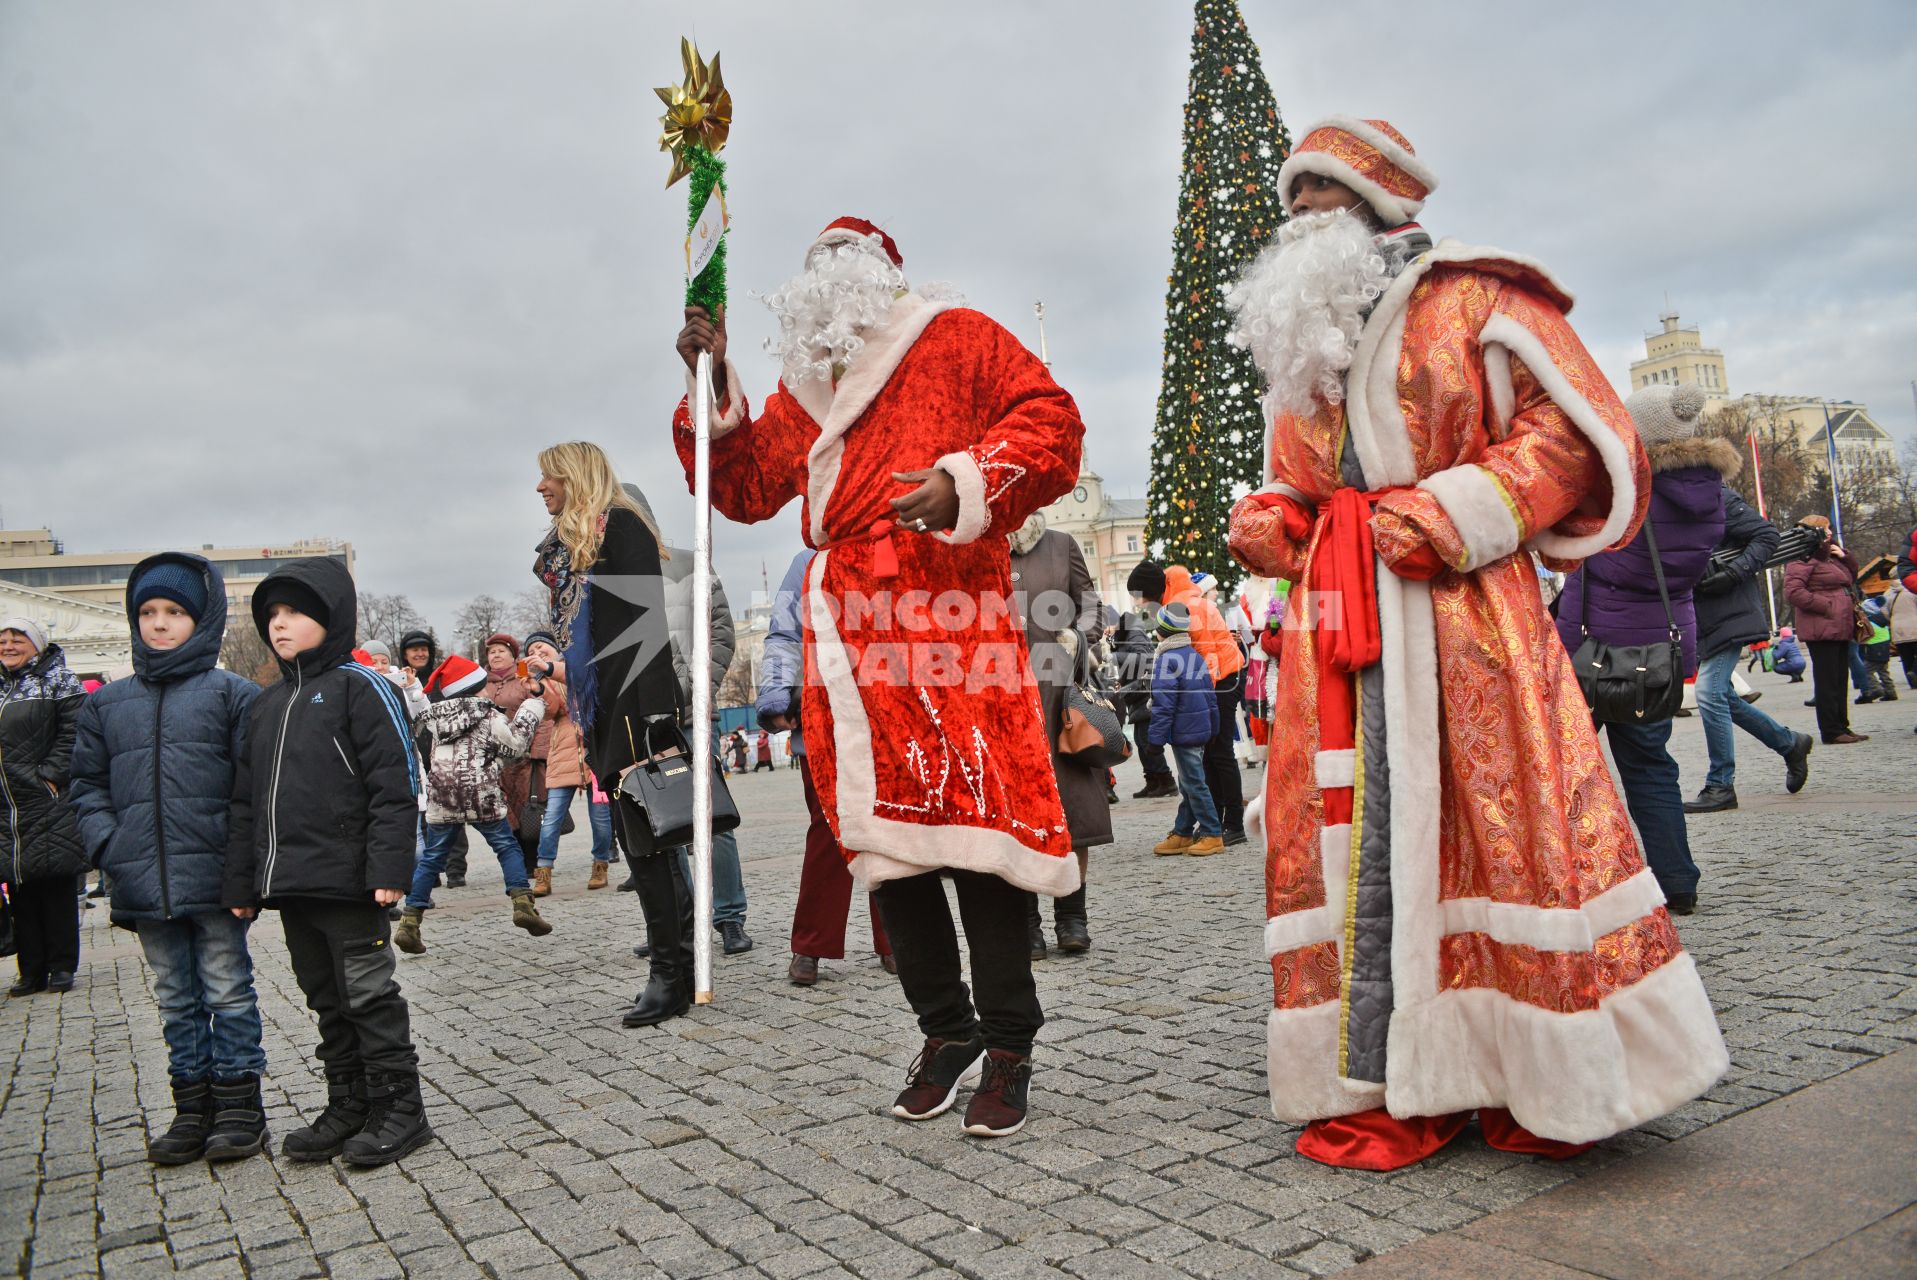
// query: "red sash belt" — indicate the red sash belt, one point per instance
point(885, 556)
point(1343, 582)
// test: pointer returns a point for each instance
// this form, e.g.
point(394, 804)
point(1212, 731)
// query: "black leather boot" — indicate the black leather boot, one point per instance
point(239, 1120)
point(185, 1139)
point(345, 1115)
point(668, 911)
point(1068, 920)
point(396, 1124)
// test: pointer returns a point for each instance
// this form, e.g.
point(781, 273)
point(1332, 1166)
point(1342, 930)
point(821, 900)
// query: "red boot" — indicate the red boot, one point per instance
point(1506, 1134)
point(1376, 1140)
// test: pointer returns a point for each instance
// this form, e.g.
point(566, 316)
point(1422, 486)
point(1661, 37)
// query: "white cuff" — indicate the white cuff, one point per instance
point(1479, 510)
point(728, 409)
point(974, 516)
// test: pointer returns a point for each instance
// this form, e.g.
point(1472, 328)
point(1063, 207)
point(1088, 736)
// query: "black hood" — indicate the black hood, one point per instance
point(412, 639)
point(201, 652)
point(328, 579)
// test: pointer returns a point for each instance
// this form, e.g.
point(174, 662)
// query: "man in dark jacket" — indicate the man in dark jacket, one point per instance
point(324, 822)
point(153, 768)
point(1730, 615)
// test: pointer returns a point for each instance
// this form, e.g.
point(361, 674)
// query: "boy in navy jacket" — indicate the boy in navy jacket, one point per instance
point(1184, 718)
point(153, 764)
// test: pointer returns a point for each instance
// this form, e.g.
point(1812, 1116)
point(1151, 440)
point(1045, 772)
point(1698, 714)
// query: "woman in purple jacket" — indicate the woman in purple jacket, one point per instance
point(1823, 595)
point(1615, 597)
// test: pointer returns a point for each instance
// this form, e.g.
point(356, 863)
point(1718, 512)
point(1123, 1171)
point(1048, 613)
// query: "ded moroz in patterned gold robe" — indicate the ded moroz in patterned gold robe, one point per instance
point(1459, 913)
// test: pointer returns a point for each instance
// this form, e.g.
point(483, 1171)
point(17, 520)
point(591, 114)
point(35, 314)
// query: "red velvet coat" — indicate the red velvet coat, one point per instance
point(922, 723)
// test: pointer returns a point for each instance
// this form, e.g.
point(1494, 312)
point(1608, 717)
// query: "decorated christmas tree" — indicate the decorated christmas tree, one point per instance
point(1209, 429)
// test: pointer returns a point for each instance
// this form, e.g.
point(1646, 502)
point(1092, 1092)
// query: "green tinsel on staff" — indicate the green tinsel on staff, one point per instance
point(697, 121)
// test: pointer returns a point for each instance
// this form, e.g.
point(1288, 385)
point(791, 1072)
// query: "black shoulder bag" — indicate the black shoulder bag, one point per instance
point(1631, 683)
point(661, 784)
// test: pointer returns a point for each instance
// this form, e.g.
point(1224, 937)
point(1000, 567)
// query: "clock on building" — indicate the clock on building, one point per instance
point(1080, 494)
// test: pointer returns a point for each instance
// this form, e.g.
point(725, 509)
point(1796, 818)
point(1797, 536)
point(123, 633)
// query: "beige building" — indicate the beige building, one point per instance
point(1676, 353)
point(1110, 533)
point(38, 561)
point(94, 637)
point(1860, 441)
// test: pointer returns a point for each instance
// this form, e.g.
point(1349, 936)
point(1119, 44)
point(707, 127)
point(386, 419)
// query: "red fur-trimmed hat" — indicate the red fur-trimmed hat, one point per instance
point(455, 677)
point(1371, 158)
point(848, 230)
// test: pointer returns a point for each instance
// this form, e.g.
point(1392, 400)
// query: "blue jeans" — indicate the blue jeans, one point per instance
point(439, 843)
point(1859, 669)
point(203, 980)
point(728, 883)
point(558, 800)
point(1649, 775)
point(1197, 815)
point(1719, 707)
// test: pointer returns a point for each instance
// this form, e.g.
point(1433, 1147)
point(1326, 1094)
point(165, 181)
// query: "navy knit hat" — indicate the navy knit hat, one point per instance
point(170, 580)
point(1174, 620)
point(1147, 579)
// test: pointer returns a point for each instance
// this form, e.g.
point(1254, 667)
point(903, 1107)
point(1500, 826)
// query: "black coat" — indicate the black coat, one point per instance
point(325, 801)
point(153, 765)
point(633, 678)
point(39, 713)
point(1132, 650)
point(1730, 598)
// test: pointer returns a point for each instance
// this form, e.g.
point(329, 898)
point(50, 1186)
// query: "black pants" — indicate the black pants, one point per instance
point(46, 926)
point(918, 921)
point(1907, 651)
point(1830, 672)
point(456, 860)
point(1150, 754)
point(342, 954)
point(1221, 766)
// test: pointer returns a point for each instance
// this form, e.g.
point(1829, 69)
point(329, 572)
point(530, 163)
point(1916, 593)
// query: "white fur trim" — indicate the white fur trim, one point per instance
point(1301, 1065)
point(1279, 487)
point(1326, 923)
point(888, 849)
point(1389, 146)
point(1255, 808)
point(1557, 928)
point(1497, 378)
point(1478, 510)
point(974, 516)
point(1337, 768)
point(729, 402)
point(1573, 1077)
point(836, 409)
point(1618, 462)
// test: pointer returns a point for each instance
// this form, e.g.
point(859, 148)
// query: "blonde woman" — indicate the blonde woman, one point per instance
point(600, 566)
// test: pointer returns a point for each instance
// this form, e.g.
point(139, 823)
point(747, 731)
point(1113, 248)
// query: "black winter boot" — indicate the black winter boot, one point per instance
point(239, 1120)
point(397, 1124)
point(185, 1139)
point(668, 911)
point(345, 1115)
point(1068, 920)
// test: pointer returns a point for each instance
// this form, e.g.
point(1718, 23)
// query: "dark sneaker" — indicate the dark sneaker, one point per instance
point(1797, 763)
point(1232, 836)
point(1712, 800)
point(933, 1080)
point(997, 1110)
point(734, 938)
point(1680, 904)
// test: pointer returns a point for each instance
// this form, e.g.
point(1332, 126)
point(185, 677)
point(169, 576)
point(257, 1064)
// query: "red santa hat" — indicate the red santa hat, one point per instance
point(857, 231)
point(1371, 158)
point(455, 677)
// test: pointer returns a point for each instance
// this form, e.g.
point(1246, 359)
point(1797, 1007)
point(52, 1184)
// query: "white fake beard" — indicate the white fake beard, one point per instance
point(1300, 307)
point(823, 312)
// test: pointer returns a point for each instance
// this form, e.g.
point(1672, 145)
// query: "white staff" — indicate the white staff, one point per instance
point(701, 666)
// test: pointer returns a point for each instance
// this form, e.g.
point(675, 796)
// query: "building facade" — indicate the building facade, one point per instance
point(38, 561)
point(95, 637)
point(1676, 353)
point(1110, 533)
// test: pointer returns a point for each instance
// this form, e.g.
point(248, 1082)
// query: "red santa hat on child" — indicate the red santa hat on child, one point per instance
point(1371, 158)
point(455, 677)
point(857, 231)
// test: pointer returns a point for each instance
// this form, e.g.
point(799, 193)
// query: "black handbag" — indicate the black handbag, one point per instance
point(1091, 731)
point(1631, 683)
point(661, 784)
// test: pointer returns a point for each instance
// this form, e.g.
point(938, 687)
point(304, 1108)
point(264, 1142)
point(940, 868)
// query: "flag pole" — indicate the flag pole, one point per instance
point(1830, 451)
point(701, 667)
point(1757, 481)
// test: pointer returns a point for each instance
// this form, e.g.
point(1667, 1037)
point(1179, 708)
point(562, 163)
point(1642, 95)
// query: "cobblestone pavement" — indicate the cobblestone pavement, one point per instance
point(750, 1138)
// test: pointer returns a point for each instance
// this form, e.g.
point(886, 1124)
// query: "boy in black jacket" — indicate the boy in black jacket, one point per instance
point(323, 828)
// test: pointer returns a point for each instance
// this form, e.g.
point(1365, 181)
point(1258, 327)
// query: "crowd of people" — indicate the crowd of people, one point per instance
point(1465, 918)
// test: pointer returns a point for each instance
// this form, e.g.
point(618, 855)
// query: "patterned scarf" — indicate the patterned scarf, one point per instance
point(569, 600)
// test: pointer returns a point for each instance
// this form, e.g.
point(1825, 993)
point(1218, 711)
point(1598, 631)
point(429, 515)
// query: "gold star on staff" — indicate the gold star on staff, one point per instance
point(698, 112)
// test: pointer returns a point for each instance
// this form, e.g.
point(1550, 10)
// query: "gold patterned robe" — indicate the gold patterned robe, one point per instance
point(1531, 963)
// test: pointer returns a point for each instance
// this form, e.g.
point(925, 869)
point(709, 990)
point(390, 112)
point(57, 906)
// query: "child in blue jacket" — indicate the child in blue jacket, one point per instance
point(153, 764)
point(1184, 718)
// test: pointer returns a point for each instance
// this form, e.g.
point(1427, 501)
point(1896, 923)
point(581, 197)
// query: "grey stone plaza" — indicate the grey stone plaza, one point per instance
point(752, 1137)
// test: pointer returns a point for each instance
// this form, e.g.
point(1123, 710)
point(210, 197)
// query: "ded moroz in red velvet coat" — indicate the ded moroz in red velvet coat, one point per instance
point(922, 725)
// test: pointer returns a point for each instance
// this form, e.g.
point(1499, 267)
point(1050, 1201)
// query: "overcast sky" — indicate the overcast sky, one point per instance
point(279, 269)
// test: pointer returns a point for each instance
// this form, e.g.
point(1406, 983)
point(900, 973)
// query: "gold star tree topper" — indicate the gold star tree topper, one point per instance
point(698, 112)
